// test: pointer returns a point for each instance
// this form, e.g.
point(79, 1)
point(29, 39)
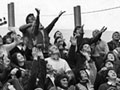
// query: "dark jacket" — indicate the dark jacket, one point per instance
point(75, 58)
point(112, 45)
point(43, 38)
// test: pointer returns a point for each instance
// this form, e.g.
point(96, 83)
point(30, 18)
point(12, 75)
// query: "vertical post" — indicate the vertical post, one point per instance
point(77, 16)
point(11, 16)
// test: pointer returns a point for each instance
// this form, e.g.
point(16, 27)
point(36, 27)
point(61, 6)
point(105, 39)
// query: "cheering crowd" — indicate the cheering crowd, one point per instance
point(32, 62)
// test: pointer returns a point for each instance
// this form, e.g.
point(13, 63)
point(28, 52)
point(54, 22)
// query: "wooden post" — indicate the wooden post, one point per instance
point(77, 16)
point(11, 16)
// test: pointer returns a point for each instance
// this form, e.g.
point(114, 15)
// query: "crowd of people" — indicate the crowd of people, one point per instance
point(32, 62)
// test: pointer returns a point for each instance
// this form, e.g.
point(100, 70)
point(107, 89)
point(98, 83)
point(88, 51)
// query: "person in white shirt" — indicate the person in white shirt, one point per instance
point(58, 64)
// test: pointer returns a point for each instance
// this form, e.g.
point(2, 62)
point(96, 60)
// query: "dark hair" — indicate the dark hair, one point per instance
point(14, 58)
point(76, 30)
point(11, 32)
point(105, 57)
point(114, 33)
point(5, 38)
point(106, 72)
point(55, 34)
point(55, 42)
point(27, 18)
point(58, 77)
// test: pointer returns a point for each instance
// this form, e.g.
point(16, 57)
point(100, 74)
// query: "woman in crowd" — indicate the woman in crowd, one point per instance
point(113, 83)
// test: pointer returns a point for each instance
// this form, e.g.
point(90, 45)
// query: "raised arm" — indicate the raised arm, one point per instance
point(72, 52)
point(51, 25)
point(9, 47)
point(23, 28)
point(36, 23)
point(95, 39)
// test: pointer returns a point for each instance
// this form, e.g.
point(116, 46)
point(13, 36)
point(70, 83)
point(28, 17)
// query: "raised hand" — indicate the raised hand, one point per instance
point(82, 30)
point(61, 12)
point(37, 10)
point(73, 40)
point(103, 29)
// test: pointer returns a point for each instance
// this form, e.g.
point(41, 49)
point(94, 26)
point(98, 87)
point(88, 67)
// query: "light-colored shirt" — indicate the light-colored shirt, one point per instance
point(58, 65)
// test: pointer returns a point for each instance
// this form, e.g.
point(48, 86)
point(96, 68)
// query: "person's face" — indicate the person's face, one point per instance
point(64, 82)
point(84, 75)
point(31, 19)
point(116, 36)
point(60, 43)
point(111, 57)
point(86, 48)
point(58, 34)
point(6, 61)
point(112, 74)
point(108, 64)
point(8, 40)
point(95, 33)
point(54, 49)
point(20, 57)
point(54, 52)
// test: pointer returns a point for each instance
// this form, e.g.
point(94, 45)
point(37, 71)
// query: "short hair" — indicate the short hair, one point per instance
point(114, 33)
point(58, 77)
point(27, 18)
point(55, 34)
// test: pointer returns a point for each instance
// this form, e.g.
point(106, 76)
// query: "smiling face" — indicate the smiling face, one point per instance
point(20, 57)
point(112, 74)
point(116, 36)
point(64, 82)
point(6, 61)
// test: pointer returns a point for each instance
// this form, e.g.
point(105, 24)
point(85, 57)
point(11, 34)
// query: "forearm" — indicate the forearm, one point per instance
point(9, 47)
point(95, 39)
point(24, 27)
point(51, 25)
point(36, 25)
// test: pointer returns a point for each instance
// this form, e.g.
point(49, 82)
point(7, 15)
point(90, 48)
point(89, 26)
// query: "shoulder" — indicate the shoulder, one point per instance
point(62, 60)
point(53, 88)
